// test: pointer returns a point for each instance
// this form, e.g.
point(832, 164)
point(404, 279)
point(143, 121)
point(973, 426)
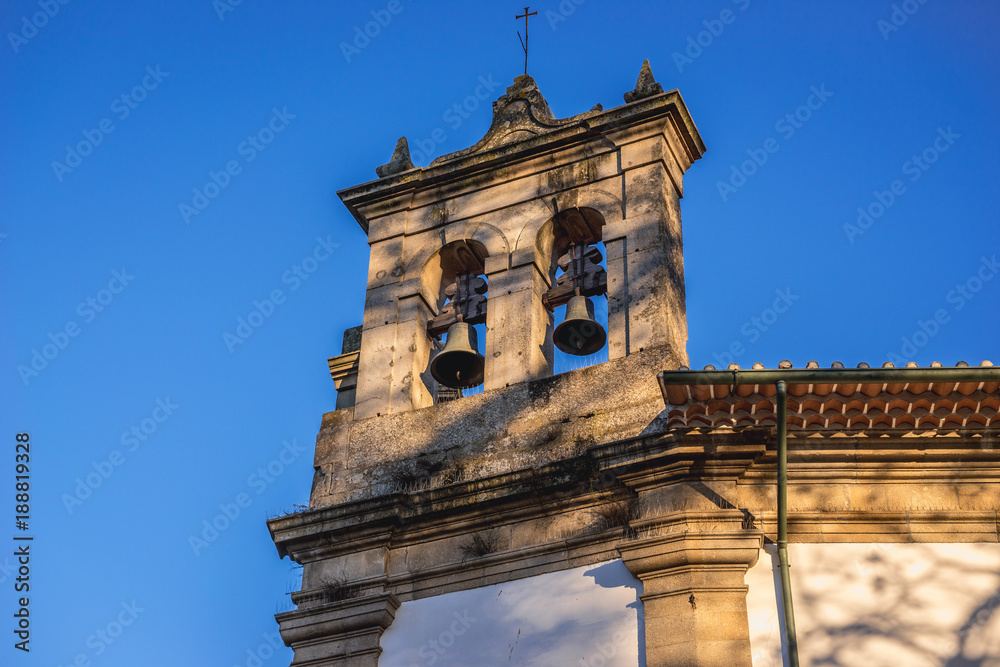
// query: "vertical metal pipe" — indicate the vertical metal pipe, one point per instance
point(781, 406)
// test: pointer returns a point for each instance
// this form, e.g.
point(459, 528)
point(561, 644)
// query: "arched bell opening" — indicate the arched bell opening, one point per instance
point(456, 277)
point(577, 297)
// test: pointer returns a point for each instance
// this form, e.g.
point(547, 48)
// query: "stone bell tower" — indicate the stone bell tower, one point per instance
point(409, 473)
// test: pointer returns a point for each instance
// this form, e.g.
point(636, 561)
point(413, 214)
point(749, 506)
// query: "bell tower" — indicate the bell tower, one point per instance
point(505, 213)
point(495, 236)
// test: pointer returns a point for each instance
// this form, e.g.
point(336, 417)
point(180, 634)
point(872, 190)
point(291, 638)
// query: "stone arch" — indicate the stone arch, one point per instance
point(598, 197)
point(595, 200)
point(446, 262)
point(488, 238)
point(439, 269)
point(556, 234)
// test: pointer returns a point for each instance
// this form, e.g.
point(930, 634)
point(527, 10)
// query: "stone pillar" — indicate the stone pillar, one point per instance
point(411, 354)
point(646, 269)
point(395, 351)
point(618, 312)
point(340, 634)
point(694, 596)
point(518, 328)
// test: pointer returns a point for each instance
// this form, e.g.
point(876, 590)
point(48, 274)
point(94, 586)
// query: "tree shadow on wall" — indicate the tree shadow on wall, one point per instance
point(892, 606)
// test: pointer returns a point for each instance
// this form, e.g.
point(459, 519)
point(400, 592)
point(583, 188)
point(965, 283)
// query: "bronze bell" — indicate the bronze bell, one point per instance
point(459, 364)
point(579, 333)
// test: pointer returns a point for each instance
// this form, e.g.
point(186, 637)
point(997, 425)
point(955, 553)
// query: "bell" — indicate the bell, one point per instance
point(459, 364)
point(579, 333)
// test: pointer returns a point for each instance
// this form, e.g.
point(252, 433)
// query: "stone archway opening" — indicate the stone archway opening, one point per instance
point(577, 263)
point(454, 278)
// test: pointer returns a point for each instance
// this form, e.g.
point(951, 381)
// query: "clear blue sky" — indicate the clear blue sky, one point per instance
point(197, 85)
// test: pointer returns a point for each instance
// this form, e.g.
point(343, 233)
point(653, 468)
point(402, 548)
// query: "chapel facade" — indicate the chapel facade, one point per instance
point(423, 490)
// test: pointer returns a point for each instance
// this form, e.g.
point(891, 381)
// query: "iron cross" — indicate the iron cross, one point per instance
point(524, 43)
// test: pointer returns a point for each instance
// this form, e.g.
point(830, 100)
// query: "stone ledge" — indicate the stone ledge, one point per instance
point(904, 527)
point(558, 487)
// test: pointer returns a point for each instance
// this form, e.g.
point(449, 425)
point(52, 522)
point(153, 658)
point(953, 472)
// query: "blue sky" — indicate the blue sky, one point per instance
point(264, 113)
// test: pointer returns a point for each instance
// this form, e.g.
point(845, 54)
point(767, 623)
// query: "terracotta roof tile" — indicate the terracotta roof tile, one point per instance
point(901, 405)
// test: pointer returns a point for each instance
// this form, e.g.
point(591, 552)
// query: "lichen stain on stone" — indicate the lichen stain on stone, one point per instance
point(540, 391)
point(439, 214)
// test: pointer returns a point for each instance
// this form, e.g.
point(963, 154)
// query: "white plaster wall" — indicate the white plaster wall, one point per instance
point(588, 616)
point(902, 605)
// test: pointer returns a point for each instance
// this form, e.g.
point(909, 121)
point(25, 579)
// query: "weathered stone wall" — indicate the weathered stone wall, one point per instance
point(498, 431)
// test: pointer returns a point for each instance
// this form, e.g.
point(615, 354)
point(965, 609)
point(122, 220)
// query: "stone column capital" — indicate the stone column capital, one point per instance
point(655, 556)
point(344, 633)
point(694, 595)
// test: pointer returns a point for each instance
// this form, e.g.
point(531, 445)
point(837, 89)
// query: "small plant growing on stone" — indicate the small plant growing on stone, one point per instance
point(616, 514)
point(403, 479)
point(335, 589)
point(481, 544)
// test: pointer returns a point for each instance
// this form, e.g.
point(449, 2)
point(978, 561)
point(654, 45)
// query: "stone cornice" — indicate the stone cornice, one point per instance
point(343, 366)
point(557, 487)
point(668, 106)
point(745, 456)
point(864, 525)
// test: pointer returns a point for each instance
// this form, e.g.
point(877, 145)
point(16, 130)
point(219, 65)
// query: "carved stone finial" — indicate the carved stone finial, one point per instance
point(400, 161)
point(646, 86)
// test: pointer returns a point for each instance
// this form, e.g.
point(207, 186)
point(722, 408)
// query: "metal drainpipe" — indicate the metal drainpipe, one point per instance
point(811, 376)
point(791, 639)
